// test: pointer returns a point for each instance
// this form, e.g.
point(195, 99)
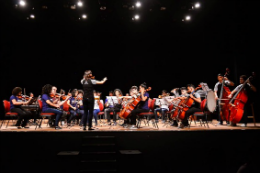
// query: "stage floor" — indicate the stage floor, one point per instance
point(213, 125)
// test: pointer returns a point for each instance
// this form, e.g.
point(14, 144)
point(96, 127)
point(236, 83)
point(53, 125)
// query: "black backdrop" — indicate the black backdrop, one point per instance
point(164, 54)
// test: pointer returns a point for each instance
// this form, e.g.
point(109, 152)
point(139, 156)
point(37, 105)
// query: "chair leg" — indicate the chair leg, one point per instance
point(253, 113)
point(7, 123)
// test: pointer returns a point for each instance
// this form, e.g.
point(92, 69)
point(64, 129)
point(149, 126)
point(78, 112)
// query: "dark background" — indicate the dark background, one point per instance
point(160, 49)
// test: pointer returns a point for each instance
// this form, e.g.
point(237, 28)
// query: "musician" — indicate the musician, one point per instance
point(115, 108)
point(195, 107)
point(88, 82)
point(15, 106)
point(73, 106)
point(184, 94)
point(96, 106)
point(142, 106)
point(217, 90)
point(250, 90)
point(80, 109)
point(51, 104)
point(162, 108)
point(133, 91)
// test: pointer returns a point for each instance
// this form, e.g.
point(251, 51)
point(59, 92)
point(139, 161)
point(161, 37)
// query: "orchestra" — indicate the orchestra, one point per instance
point(232, 106)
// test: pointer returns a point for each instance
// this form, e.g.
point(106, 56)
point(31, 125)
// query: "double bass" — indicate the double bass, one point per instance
point(239, 99)
point(223, 100)
point(124, 113)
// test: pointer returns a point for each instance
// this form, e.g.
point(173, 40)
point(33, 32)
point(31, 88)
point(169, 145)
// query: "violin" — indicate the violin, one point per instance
point(124, 113)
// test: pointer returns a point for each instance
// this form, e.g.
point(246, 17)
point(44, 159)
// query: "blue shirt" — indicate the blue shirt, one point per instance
point(45, 105)
point(145, 104)
point(11, 103)
point(73, 102)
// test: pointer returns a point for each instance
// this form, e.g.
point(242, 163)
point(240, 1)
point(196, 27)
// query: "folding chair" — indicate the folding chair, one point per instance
point(8, 115)
point(42, 114)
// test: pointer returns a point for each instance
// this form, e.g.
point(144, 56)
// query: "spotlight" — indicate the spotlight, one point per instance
point(80, 4)
point(22, 3)
point(138, 4)
point(84, 16)
point(136, 17)
point(197, 5)
point(187, 18)
point(32, 16)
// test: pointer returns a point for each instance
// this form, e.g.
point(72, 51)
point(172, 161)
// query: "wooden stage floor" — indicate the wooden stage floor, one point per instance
point(213, 125)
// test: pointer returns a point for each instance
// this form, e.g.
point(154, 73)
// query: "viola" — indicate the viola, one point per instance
point(124, 113)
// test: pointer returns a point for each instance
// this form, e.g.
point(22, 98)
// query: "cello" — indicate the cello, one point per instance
point(223, 101)
point(186, 104)
point(240, 99)
point(131, 105)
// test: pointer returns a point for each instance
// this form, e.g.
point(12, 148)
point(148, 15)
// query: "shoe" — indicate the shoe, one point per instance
point(233, 124)
point(58, 127)
point(90, 128)
point(174, 125)
point(26, 127)
point(220, 123)
point(84, 128)
point(182, 126)
point(243, 125)
point(133, 127)
point(19, 127)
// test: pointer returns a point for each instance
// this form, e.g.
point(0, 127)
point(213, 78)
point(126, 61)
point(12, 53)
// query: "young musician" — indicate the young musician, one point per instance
point(162, 107)
point(249, 89)
point(133, 91)
point(73, 106)
point(88, 84)
point(184, 94)
point(112, 107)
point(96, 106)
point(217, 90)
point(142, 107)
point(50, 104)
point(80, 110)
point(195, 107)
point(15, 106)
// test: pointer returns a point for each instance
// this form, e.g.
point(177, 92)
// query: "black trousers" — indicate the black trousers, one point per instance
point(247, 112)
point(88, 105)
point(133, 115)
point(22, 115)
point(188, 113)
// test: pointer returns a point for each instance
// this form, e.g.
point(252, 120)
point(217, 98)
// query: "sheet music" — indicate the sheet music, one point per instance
point(112, 100)
point(163, 101)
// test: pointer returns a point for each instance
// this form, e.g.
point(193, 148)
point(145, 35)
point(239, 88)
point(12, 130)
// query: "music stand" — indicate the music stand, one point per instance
point(112, 100)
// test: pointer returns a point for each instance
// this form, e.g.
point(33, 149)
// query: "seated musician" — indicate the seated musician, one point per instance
point(133, 91)
point(195, 107)
point(96, 106)
point(80, 109)
point(50, 104)
point(73, 107)
point(184, 94)
point(15, 106)
point(250, 90)
point(112, 107)
point(162, 108)
point(141, 107)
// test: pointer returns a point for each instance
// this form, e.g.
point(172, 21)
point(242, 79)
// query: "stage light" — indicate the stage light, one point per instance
point(136, 17)
point(32, 16)
point(187, 18)
point(138, 4)
point(22, 3)
point(80, 4)
point(197, 5)
point(84, 16)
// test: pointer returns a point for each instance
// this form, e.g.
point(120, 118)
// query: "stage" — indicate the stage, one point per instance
point(219, 148)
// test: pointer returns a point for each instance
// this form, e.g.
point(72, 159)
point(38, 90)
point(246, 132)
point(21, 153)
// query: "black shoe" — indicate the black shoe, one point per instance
point(58, 127)
point(233, 124)
point(90, 128)
point(174, 125)
point(19, 127)
point(26, 127)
